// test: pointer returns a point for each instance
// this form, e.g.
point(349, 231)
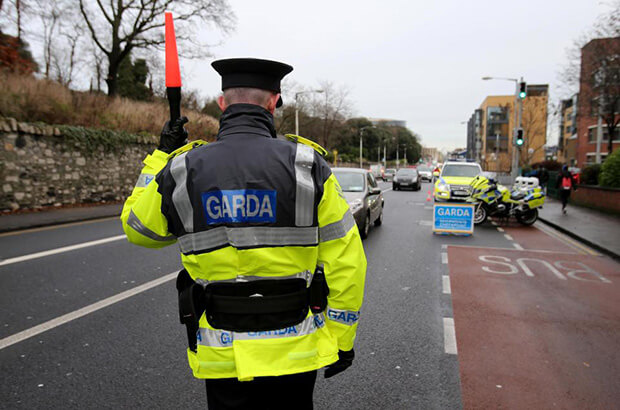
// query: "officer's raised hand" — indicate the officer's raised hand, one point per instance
point(345, 360)
point(173, 135)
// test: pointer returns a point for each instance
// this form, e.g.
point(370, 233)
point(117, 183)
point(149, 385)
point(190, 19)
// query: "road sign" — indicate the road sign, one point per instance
point(453, 218)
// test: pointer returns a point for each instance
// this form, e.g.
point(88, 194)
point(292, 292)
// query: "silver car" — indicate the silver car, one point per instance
point(365, 199)
point(426, 174)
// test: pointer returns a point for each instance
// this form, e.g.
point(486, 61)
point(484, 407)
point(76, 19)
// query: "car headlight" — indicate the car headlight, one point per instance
point(442, 186)
point(355, 205)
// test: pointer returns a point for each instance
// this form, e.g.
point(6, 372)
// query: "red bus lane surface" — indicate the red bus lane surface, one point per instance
point(536, 329)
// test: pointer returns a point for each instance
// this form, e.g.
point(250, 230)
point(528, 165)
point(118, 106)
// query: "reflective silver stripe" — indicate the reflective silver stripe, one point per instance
point(337, 229)
point(304, 196)
point(144, 180)
point(305, 275)
point(180, 196)
point(139, 227)
point(224, 338)
point(346, 317)
point(248, 237)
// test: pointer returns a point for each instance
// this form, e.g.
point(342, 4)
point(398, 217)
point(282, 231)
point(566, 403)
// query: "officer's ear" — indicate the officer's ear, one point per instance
point(273, 102)
point(221, 102)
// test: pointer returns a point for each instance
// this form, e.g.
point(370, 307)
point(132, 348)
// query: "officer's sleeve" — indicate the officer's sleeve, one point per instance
point(342, 254)
point(142, 219)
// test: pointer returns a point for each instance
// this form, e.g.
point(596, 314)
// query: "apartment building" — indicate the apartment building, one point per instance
point(599, 93)
point(497, 123)
point(567, 143)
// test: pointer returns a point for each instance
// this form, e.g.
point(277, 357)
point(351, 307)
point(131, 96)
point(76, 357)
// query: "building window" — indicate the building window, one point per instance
point(497, 144)
point(591, 157)
point(497, 114)
point(592, 132)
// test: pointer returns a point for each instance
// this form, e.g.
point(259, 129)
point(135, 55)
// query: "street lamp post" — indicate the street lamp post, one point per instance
point(518, 115)
point(297, 107)
point(361, 143)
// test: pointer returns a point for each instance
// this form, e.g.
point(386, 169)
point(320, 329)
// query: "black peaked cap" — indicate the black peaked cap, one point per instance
point(252, 73)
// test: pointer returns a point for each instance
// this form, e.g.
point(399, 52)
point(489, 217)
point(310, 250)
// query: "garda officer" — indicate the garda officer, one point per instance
point(274, 268)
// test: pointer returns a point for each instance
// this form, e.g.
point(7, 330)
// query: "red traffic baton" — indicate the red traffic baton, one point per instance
point(173, 72)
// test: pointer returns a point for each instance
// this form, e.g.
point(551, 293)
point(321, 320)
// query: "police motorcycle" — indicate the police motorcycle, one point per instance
point(493, 199)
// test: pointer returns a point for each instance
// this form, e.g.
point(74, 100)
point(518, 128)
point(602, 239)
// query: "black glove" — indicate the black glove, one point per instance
point(345, 360)
point(173, 136)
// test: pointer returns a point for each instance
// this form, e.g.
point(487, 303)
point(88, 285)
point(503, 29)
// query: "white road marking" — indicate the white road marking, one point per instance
point(449, 336)
point(508, 237)
point(386, 190)
point(60, 250)
point(444, 246)
point(61, 320)
point(444, 257)
point(500, 229)
point(447, 289)
point(517, 246)
point(425, 223)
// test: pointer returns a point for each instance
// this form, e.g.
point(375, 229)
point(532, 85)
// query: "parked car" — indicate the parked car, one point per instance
point(453, 184)
point(426, 174)
point(376, 171)
point(406, 178)
point(365, 199)
point(389, 173)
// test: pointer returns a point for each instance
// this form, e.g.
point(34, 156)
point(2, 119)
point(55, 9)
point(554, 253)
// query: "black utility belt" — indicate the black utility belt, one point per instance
point(258, 305)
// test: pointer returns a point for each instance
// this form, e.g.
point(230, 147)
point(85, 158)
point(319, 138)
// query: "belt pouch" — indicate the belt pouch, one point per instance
point(260, 305)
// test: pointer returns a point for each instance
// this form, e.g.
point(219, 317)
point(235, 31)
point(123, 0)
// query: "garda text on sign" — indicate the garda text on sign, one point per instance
point(453, 218)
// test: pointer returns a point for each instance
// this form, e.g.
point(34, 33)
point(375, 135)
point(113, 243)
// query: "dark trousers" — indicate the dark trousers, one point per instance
point(564, 194)
point(270, 393)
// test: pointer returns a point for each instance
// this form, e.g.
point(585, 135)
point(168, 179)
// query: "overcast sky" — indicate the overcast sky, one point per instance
point(418, 61)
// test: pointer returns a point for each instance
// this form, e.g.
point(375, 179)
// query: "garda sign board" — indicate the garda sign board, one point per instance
point(453, 218)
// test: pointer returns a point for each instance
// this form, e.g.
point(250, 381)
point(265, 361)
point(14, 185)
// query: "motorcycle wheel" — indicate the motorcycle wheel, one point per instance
point(480, 216)
point(528, 217)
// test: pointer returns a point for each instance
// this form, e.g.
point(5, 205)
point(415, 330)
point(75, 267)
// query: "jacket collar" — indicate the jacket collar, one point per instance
point(246, 119)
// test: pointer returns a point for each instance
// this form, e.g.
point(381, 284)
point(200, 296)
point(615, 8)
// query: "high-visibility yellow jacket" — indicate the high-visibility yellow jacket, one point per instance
point(251, 207)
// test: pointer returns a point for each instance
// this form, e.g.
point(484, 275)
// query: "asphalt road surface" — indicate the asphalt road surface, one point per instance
point(90, 321)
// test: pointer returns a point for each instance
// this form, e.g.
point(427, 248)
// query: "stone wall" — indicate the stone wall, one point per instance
point(40, 168)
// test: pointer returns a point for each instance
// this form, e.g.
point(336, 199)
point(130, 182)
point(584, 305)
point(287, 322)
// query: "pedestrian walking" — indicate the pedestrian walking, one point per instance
point(274, 267)
point(543, 178)
point(565, 184)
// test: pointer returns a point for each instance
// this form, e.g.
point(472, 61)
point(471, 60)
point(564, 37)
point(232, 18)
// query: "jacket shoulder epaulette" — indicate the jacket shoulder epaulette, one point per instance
point(306, 141)
point(187, 147)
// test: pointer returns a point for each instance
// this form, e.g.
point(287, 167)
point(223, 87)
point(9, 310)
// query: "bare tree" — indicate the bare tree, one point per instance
point(67, 59)
point(607, 25)
point(332, 107)
point(119, 27)
point(534, 124)
point(604, 62)
point(602, 58)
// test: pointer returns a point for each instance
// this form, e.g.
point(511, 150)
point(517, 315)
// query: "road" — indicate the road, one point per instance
point(102, 328)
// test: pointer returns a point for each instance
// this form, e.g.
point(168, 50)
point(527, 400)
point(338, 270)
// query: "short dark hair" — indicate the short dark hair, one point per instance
point(247, 95)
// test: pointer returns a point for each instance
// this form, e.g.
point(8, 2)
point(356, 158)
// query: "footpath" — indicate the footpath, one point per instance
point(596, 229)
point(27, 220)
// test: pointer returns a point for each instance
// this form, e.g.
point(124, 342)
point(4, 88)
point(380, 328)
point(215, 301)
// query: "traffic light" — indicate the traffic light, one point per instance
point(519, 137)
point(522, 90)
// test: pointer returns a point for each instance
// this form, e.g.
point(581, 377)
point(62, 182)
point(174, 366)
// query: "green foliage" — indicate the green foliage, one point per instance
point(92, 140)
point(590, 174)
point(132, 80)
point(211, 108)
point(610, 171)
